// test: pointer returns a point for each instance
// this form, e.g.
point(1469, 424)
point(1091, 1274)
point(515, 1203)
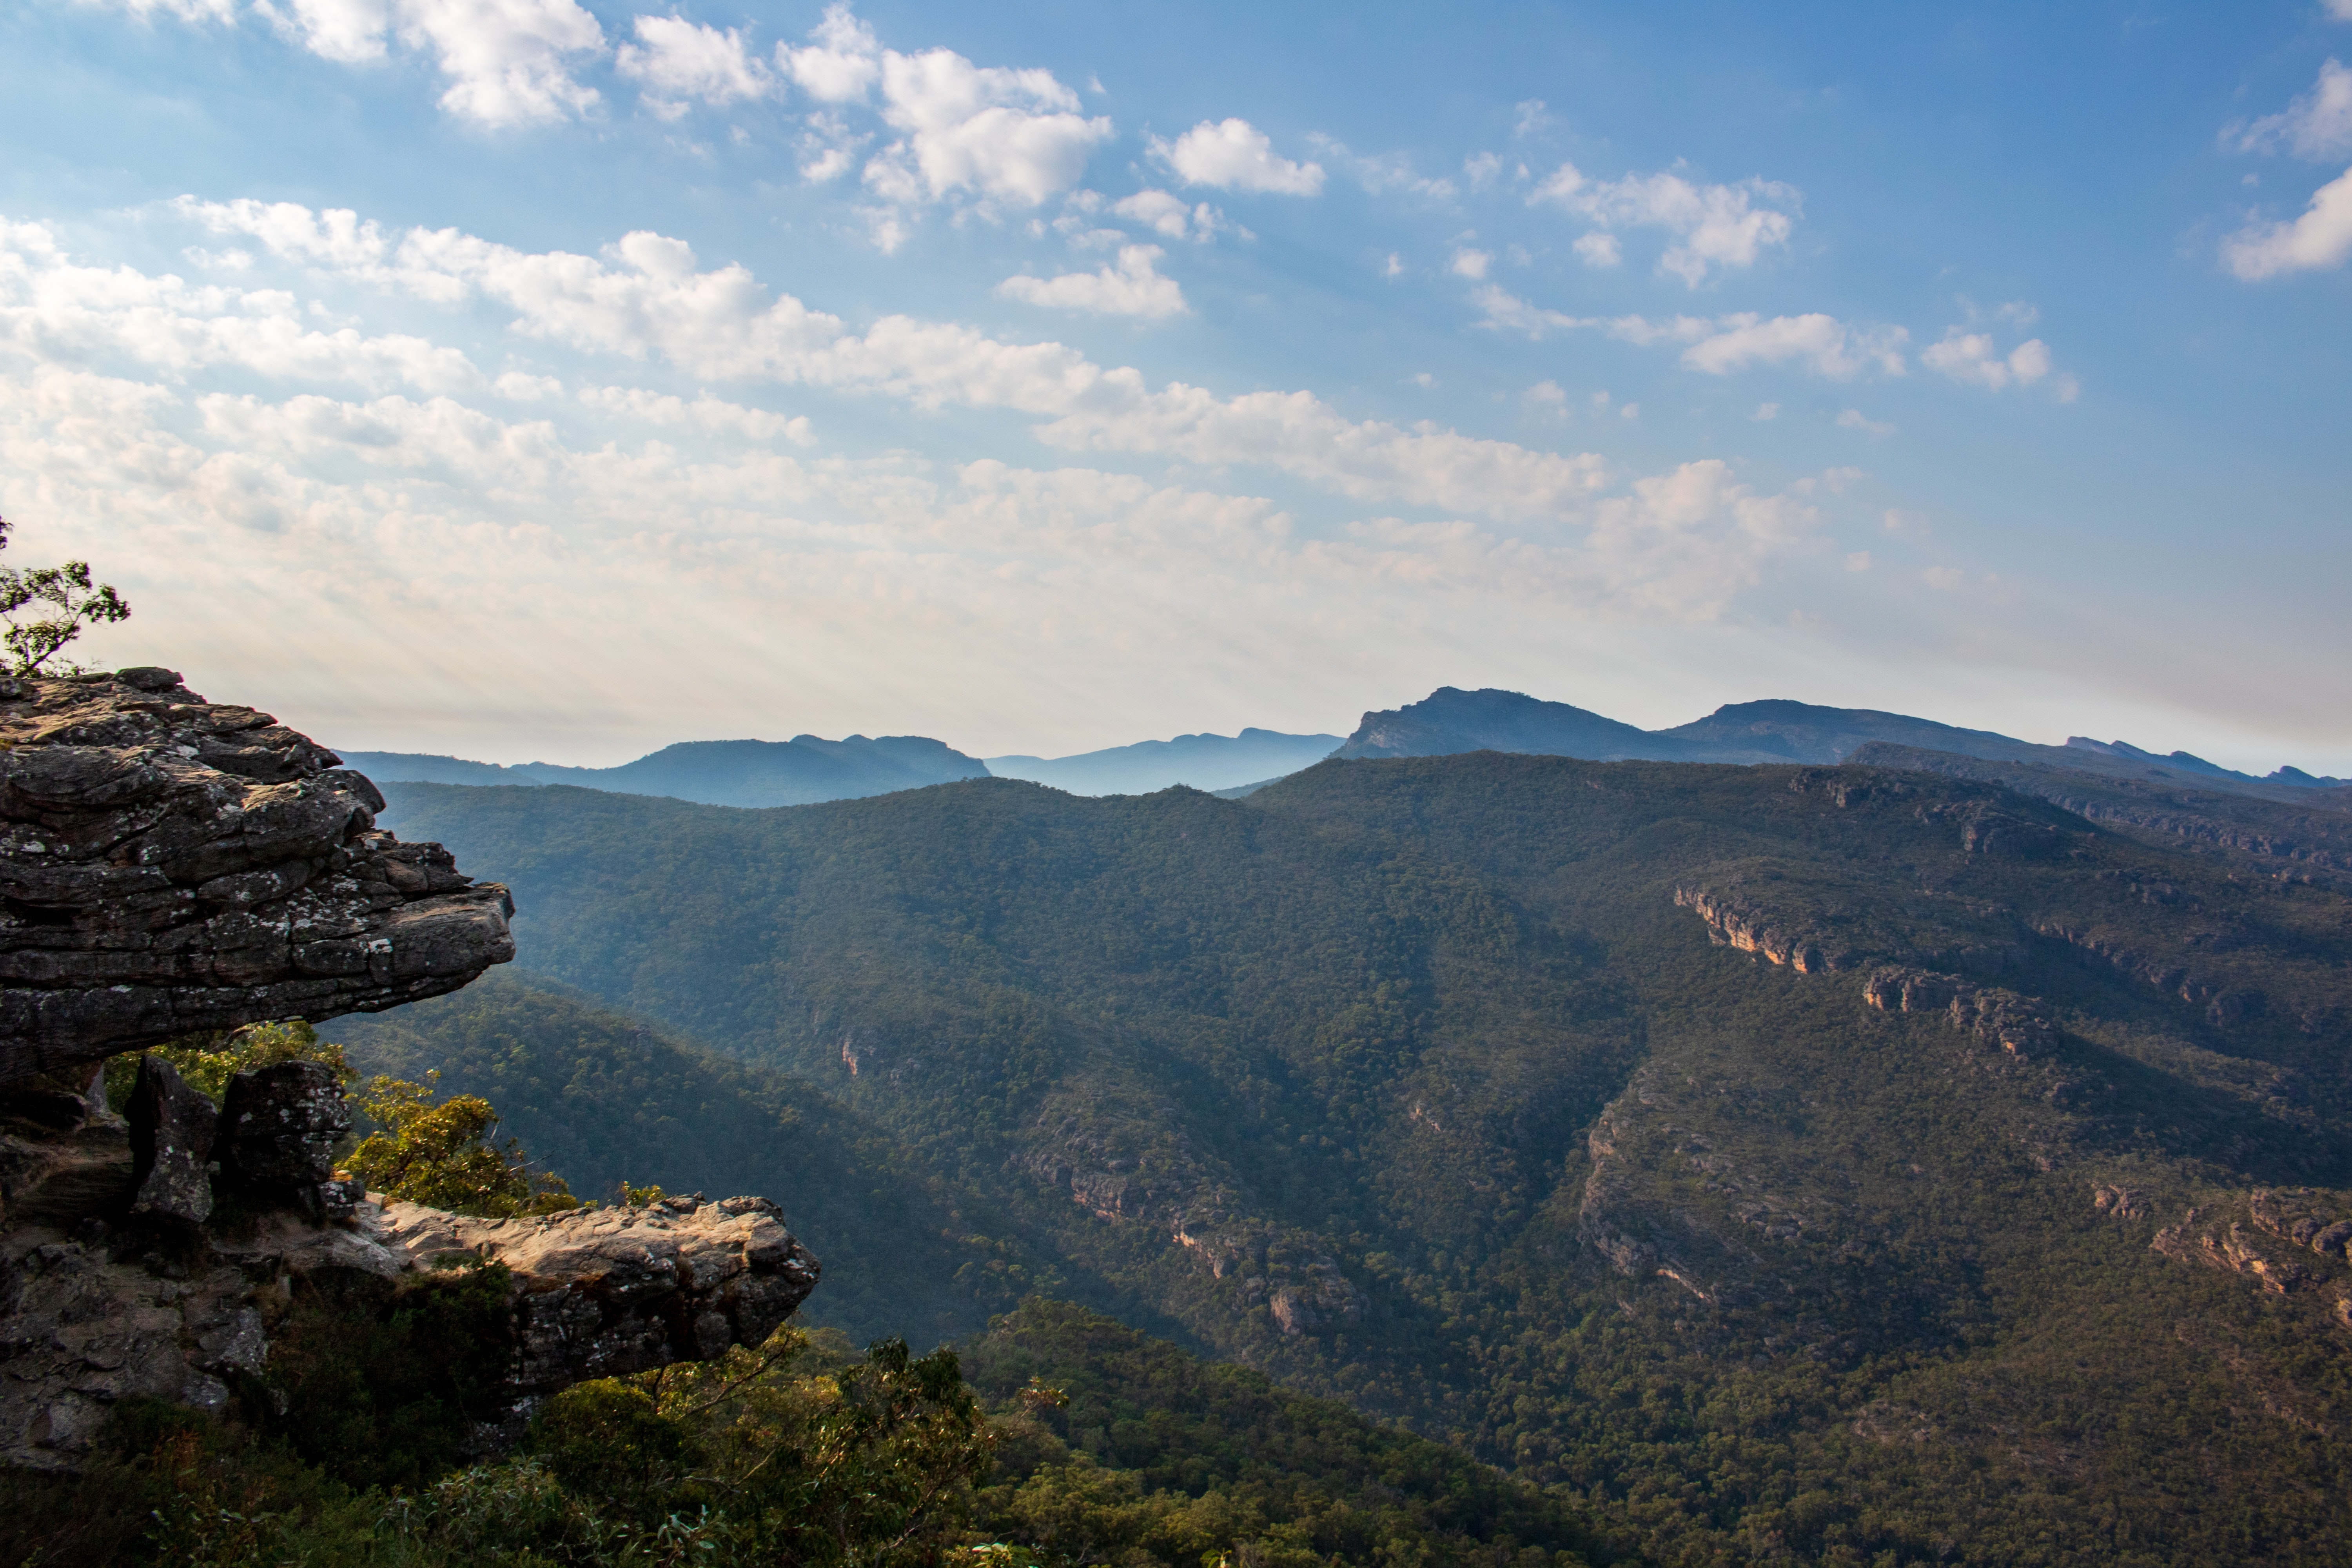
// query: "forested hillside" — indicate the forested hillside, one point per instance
point(1872, 1166)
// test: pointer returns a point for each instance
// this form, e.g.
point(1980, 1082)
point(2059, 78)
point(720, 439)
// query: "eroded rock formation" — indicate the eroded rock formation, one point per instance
point(169, 865)
point(111, 1289)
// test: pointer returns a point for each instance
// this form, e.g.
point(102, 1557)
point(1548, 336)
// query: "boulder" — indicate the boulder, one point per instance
point(169, 865)
point(278, 1129)
point(172, 1127)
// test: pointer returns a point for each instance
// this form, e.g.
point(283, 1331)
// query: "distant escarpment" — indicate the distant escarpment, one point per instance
point(169, 865)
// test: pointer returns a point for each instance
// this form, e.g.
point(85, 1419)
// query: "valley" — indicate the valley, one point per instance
point(1831, 1160)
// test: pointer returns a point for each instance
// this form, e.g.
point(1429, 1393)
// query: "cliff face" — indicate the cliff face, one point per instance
point(169, 865)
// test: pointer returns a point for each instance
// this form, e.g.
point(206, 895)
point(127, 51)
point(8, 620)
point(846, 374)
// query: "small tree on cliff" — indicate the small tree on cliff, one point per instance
point(60, 601)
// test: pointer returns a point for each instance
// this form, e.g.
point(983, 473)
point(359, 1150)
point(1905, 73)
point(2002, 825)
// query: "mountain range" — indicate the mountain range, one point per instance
point(1792, 1162)
point(807, 769)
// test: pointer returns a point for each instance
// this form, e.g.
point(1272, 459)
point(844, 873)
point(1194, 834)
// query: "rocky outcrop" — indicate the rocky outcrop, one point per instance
point(1740, 923)
point(599, 1292)
point(169, 865)
point(96, 1317)
point(2019, 1025)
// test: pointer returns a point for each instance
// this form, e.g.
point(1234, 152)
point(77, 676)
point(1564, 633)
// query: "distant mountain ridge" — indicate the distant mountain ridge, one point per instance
point(1450, 720)
point(801, 771)
point(1205, 762)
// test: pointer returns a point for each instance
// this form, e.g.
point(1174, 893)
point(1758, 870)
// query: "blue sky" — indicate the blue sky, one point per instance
point(533, 378)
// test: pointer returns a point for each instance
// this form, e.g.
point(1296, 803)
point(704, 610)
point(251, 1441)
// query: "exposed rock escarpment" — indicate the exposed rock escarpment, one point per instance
point(169, 865)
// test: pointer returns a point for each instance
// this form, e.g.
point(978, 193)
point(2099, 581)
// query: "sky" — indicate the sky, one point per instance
point(558, 379)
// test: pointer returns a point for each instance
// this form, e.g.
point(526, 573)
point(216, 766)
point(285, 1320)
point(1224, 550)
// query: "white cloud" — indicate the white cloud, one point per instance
point(1766, 413)
point(1506, 311)
point(646, 298)
point(349, 31)
point(2317, 125)
point(2321, 238)
point(1170, 216)
point(1481, 169)
point(1235, 156)
point(1822, 344)
point(1722, 344)
point(1132, 288)
point(1532, 116)
point(1469, 262)
point(842, 62)
point(680, 61)
point(1855, 419)
point(1974, 359)
point(1012, 135)
point(510, 61)
point(52, 307)
point(1597, 249)
point(1713, 226)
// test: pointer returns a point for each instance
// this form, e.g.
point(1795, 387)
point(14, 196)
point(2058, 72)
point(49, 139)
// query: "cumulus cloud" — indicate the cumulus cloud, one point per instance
point(349, 32)
point(681, 62)
point(1170, 216)
point(1855, 419)
point(1234, 155)
point(1713, 226)
point(2318, 124)
point(1822, 344)
point(1470, 262)
point(509, 62)
point(1974, 358)
point(1010, 135)
point(841, 62)
point(1131, 287)
point(2320, 239)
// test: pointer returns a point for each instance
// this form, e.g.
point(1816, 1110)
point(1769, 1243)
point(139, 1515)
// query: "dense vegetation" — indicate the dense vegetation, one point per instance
point(1077, 1441)
point(1410, 1083)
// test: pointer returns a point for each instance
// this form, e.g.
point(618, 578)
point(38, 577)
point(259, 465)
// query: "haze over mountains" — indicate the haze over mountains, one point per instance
point(807, 769)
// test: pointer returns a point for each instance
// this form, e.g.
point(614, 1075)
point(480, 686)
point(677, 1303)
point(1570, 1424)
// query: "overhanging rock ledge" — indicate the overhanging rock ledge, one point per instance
point(169, 865)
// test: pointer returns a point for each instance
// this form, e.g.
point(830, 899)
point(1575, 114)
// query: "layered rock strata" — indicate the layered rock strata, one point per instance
point(169, 865)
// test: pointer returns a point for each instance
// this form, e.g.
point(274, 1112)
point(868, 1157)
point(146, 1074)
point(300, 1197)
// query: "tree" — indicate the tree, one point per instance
point(440, 1154)
point(62, 598)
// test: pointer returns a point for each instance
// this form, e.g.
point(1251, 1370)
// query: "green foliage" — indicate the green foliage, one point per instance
point(71, 599)
point(1409, 1083)
point(438, 1152)
point(1139, 1454)
point(207, 1061)
point(387, 1397)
